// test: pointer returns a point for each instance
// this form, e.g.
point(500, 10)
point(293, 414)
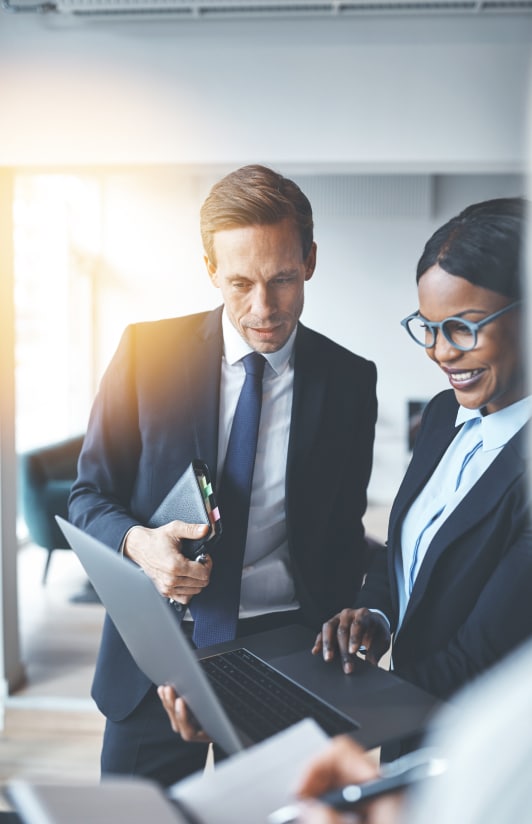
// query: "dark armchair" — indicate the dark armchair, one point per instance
point(45, 476)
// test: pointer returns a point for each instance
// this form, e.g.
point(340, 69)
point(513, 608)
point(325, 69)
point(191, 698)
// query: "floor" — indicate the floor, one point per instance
point(52, 728)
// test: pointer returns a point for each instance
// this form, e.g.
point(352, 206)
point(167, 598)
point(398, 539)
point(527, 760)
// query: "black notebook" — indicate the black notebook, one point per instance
point(192, 500)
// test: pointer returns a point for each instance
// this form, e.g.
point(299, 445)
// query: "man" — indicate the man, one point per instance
point(169, 396)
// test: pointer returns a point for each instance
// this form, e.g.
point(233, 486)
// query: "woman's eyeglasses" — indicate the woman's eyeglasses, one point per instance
point(459, 332)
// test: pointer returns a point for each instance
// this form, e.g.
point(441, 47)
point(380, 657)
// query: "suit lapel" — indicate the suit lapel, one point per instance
point(507, 467)
point(421, 467)
point(424, 461)
point(204, 387)
point(310, 381)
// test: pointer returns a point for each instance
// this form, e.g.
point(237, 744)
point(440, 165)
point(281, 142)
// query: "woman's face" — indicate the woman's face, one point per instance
point(492, 374)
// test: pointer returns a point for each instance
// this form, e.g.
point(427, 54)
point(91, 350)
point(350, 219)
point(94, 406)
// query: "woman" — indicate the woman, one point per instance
point(453, 587)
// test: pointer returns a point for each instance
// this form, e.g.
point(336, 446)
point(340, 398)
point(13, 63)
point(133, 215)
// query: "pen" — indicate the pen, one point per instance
point(397, 775)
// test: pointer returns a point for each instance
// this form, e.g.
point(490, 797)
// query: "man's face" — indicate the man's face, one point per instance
point(261, 274)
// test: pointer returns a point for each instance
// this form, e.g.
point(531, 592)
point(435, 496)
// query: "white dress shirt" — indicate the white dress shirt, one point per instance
point(267, 583)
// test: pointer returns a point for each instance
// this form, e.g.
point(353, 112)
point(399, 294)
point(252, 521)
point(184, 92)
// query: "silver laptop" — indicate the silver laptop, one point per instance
point(244, 691)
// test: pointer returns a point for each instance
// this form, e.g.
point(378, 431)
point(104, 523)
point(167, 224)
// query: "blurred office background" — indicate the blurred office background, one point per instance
point(113, 127)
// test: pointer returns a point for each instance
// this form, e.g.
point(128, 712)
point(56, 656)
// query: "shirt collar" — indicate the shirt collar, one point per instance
point(499, 427)
point(235, 347)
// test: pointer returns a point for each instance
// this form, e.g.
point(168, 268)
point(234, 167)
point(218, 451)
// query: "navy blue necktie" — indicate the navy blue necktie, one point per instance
point(215, 610)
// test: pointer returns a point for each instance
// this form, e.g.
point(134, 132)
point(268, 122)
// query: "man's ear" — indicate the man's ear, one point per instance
point(211, 270)
point(310, 263)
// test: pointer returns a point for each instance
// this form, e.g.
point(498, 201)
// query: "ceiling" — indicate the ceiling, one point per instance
point(223, 9)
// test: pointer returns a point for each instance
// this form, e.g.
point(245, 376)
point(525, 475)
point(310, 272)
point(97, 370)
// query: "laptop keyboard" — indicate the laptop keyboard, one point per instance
point(261, 702)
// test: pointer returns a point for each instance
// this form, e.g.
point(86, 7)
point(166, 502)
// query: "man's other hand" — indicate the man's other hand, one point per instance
point(181, 718)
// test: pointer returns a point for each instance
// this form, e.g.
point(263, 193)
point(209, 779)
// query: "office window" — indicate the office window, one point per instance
point(56, 249)
point(94, 250)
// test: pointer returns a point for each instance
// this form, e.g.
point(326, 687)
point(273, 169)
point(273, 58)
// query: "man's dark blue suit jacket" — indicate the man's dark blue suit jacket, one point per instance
point(157, 409)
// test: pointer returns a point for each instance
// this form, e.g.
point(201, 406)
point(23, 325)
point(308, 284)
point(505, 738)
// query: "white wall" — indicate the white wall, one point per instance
point(429, 94)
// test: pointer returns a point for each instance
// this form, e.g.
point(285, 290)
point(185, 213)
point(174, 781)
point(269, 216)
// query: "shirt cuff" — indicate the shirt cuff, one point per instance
point(378, 612)
point(123, 544)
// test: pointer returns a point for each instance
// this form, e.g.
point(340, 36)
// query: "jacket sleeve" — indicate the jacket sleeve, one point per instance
point(346, 533)
point(327, 480)
point(375, 594)
point(100, 497)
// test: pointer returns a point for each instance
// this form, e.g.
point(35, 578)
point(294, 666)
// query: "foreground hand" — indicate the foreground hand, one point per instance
point(180, 716)
point(349, 630)
point(158, 552)
point(343, 762)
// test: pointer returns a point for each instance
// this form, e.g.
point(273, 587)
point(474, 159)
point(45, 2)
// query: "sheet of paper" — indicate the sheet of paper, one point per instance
point(251, 784)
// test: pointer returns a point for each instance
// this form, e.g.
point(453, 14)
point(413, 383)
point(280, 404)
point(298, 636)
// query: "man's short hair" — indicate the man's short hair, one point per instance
point(254, 196)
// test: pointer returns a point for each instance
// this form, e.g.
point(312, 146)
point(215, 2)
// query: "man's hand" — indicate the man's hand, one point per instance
point(349, 630)
point(343, 762)
point(180, 717)
point(158, 552)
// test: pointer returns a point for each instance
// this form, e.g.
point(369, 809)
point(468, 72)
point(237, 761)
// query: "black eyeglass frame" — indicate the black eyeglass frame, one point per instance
point(473, 327)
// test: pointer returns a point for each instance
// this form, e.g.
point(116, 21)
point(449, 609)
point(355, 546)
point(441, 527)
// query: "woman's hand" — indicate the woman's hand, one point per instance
point(350, 630)
point(343, 762)
point(181, 719)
